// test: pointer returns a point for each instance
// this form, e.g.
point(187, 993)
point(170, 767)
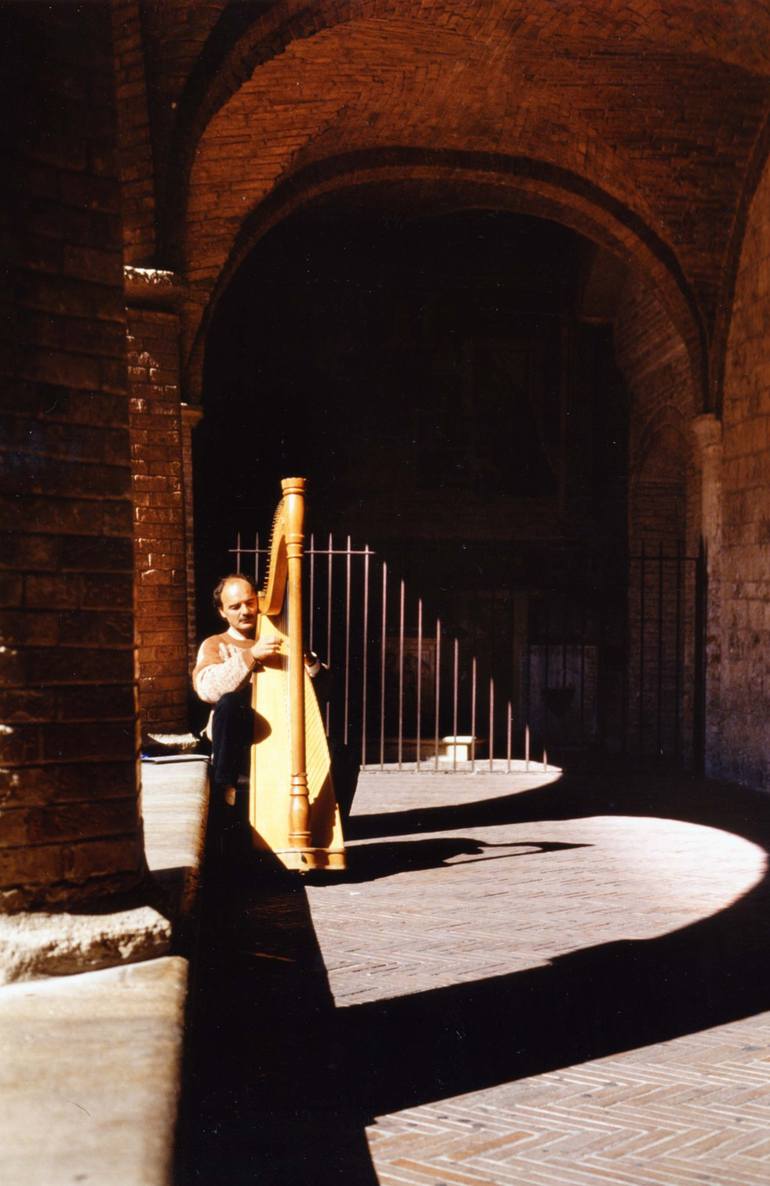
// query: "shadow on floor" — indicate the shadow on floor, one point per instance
point(368, 862)
point(280, 1084)
point(264, 1102)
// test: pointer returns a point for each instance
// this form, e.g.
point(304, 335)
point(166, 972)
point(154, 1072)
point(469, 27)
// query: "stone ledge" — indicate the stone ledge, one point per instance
point(90, 1076)
point(92, 1061)
point(153, 288)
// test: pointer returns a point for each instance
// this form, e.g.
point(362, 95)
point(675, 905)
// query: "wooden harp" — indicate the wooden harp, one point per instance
point(292, 807)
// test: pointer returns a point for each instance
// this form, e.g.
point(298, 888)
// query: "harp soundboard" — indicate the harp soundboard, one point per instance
point(293, 811)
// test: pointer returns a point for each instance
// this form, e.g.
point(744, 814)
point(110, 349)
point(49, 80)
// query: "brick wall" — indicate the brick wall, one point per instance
point(160, 519)
point(134, 139)
point(662, 524)
point(68, 785)
point(191, 416)
point(744, 723)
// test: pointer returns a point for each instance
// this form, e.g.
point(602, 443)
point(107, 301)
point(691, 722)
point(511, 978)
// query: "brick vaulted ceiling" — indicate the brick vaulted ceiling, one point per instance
point(640, 123)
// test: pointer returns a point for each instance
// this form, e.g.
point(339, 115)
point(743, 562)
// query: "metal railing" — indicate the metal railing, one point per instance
point(405, 692)
point(614, 670)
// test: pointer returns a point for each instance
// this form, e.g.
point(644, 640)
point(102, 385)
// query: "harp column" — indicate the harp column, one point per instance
point(299, 808)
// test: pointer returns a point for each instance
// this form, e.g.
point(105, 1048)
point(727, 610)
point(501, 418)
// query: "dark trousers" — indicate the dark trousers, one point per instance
point(232, 731)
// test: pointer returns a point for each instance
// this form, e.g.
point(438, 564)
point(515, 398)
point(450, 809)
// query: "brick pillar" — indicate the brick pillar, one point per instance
point(68, 743)
point(708, 436)
point(157, 446)
point(191, 415)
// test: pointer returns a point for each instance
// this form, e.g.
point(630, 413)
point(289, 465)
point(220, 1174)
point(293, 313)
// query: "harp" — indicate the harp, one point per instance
point(292, 807)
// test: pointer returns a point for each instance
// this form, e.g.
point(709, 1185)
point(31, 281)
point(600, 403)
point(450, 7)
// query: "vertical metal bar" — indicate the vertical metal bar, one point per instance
point(419, 681)
point(642, 581)
point(565, 730)
point(546, 668)
point(528, 685)
point(582, 671)
point(401, 675)
point(311, 586)
point(437, 696)
point(491, 724)
point(514, 688)
point(473, 715)
point(455, 673)
point(382, 662)
point(365, 656)
point(329, 586)
point(625, 689)
point(659, 721)
point(238, 551)
point(678, 654)
point(256, 559)
point(699, 658)
point(346, 717)
point(508, 737)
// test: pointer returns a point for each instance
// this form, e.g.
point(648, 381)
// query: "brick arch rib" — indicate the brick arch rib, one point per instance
point(240, 42)
point(563, 197)
point(245, 37)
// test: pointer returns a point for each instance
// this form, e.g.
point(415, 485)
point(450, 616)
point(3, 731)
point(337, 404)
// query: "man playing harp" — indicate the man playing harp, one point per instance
point(222, 678)
point(254, 676)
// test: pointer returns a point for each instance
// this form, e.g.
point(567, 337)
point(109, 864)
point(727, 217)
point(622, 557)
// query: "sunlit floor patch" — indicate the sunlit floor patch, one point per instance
point(627, 915)
point(439, 908)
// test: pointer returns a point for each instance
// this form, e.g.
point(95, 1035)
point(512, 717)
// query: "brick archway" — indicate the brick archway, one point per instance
point(643, 129)
point(457, 180)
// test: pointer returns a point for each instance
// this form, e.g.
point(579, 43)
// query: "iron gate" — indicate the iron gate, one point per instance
point(548, 671)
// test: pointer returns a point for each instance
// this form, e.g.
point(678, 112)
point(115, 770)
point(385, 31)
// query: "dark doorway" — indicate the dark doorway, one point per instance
point(434, 379)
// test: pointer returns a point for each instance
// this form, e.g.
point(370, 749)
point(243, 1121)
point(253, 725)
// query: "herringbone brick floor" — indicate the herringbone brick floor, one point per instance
point(534, 980)
point(431, 907)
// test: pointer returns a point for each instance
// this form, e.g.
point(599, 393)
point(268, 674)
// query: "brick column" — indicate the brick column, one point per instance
point(71, 828)
point(160, 530)
point(708, 436)
point(191, 415)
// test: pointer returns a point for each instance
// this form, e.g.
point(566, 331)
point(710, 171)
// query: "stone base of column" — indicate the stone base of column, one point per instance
point(37, 944)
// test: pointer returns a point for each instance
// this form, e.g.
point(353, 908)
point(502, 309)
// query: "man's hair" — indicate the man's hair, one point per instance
point(232, 576)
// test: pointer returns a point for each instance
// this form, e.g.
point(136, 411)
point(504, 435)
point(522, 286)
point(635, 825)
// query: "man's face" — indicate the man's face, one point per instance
point(239, 607)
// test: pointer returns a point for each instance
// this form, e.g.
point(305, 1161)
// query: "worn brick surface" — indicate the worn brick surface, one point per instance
point(161, 508)
point(133, 134)
point(66, 660)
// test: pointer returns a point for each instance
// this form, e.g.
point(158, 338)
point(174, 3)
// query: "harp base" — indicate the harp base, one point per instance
point(303, 860)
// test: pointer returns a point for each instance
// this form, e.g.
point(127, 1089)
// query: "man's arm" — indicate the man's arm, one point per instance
point(220, 669)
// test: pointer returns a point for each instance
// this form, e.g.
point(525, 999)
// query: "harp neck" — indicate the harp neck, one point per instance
point(286, 541)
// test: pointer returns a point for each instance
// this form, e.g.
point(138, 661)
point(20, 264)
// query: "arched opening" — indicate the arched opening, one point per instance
point(417, 357)
point(446, 378)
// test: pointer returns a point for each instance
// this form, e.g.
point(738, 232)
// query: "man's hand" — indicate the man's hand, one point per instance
point(312, 663)
point(265, 649)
